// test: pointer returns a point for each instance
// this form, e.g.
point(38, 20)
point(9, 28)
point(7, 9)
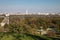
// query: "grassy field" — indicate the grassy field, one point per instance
point(18, 36)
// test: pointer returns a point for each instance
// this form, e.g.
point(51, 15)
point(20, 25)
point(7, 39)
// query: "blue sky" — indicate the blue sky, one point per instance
point(30, 5)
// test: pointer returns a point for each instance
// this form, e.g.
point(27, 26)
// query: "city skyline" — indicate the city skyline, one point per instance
point(30, 5)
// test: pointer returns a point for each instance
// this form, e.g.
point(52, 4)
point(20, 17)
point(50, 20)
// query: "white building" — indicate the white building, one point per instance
point(2, 24)
point(43, 13)
point(7, 14)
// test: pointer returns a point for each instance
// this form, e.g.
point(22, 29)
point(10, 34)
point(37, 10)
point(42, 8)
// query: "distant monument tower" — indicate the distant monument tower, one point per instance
point(38, 13)
point(26, 11)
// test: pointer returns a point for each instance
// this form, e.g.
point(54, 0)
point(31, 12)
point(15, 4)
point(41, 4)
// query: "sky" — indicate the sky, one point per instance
point(30, 5)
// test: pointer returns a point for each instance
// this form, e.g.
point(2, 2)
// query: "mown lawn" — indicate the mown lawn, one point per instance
point(18, 36)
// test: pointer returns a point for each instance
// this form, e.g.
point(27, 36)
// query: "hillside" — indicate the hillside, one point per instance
point(31, 24)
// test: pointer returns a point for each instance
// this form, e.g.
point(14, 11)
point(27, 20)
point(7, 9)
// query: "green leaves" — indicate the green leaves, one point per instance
point(30, 24)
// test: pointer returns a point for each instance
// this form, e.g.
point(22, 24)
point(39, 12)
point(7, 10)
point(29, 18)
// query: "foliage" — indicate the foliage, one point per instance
point(30, 24)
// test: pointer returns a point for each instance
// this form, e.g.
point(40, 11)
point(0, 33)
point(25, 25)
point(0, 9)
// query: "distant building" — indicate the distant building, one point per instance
point(5, 21)
point(7, 14)
point(47, 32)
point(2, 24)
point(42, 31)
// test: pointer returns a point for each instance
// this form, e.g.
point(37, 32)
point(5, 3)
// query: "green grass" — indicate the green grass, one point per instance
point(16, 36)
point(7, 37)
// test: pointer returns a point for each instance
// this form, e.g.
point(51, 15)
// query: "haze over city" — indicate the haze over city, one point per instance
point(30, 5)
